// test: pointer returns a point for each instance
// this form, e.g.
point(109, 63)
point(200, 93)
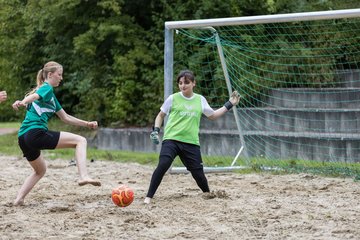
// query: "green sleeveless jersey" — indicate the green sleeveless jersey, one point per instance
point(40, 111)
point(184, 119)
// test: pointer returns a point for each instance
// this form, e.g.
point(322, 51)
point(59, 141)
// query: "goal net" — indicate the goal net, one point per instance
point(299, 80)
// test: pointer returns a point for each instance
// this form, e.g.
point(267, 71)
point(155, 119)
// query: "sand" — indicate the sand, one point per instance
point(250, 206)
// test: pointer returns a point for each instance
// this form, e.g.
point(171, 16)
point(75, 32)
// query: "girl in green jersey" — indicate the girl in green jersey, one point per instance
point(41, 104)
point(181, 134)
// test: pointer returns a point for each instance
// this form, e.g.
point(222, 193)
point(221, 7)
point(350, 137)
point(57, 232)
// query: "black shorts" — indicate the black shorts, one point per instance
point(189, 154)
point(35, 140)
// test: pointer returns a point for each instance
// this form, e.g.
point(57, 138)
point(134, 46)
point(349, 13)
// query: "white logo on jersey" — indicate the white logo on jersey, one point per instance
point(188, 114)
point(39, 110)
point(188, 107)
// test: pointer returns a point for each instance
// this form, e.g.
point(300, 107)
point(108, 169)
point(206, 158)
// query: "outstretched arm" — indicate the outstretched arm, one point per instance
point(23, 103)
point(71, 120)
point(233, 101)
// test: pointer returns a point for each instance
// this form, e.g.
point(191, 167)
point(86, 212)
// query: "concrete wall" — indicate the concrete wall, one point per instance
point(315, 124)
point(129, 139)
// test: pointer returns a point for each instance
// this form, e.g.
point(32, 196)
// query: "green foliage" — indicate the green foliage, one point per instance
point(111, 50)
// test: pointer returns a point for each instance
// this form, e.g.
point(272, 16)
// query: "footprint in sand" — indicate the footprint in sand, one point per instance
point(215, 194)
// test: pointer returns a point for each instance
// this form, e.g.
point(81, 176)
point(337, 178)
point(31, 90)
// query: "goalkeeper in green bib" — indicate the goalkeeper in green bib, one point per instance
point(181, 134)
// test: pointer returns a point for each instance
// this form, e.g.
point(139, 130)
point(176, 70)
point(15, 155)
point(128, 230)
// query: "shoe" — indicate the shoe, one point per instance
point(147, 200)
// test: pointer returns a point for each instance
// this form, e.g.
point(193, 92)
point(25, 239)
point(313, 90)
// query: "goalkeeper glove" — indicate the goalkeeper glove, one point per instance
point(154, 135)
point(234, 100)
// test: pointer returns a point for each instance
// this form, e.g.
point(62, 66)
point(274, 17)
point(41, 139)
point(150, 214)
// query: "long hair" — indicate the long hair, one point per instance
point(42, 74)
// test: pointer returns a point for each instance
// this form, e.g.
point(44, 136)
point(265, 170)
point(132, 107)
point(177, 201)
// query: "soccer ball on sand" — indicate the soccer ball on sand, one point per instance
point(122, 196)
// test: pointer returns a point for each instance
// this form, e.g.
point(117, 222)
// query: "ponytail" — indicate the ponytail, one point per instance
point(42, 75)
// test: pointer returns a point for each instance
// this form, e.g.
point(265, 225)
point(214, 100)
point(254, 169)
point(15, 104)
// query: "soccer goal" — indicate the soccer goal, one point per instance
point(299, 79)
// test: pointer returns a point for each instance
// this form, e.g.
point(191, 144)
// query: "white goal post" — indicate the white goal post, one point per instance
point(211, 24)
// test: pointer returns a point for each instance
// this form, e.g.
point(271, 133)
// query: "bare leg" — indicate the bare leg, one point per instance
point(70, 140)
point(39, 167)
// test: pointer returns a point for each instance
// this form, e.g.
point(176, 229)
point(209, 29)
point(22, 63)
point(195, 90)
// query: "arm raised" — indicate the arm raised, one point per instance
point(233, 101)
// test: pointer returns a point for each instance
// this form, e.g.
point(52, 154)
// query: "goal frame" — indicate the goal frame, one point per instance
point(171, 26)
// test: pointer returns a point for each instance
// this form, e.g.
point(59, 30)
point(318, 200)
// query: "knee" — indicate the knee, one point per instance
point(82, 140)
point(161, 169)
point(40, 172)
point(164, 163)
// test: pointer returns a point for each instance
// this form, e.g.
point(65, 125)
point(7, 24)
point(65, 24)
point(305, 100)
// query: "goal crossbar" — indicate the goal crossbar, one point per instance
point(289, 17)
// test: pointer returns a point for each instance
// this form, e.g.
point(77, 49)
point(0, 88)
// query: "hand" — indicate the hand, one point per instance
point(235, 98)
point(3, 96)
point(18, 104)
point(92, 125)
point(154, 136)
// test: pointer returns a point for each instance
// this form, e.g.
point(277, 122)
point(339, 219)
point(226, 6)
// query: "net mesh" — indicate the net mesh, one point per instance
point(300, 91)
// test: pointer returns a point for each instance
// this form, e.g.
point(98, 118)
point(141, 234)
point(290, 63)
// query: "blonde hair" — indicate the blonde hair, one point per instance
point(42, 74)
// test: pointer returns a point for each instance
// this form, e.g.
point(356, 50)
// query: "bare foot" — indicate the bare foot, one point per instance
point(147, 200)
point(89, 181)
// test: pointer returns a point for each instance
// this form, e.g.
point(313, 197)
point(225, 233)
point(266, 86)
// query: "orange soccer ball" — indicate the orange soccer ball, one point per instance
point(122, 196)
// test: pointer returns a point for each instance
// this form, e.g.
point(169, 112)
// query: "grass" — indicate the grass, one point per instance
point(9, 146)
point(328, 169)
point(10, 125)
